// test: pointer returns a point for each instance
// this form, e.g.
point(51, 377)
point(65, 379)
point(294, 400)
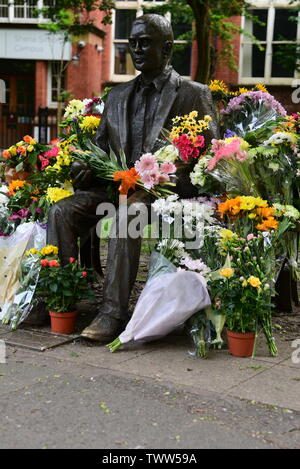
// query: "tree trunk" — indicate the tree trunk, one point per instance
point(201, 10)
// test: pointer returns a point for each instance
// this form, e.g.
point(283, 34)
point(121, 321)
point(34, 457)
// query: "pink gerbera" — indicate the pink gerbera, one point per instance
point(146, 163)
point(168, 168)
point(163, 178)
point(151, 178)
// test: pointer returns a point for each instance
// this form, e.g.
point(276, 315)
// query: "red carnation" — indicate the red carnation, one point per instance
point(84, 274)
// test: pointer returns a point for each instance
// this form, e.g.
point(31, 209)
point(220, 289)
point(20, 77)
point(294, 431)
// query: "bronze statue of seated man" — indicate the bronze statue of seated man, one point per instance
point(134, 114)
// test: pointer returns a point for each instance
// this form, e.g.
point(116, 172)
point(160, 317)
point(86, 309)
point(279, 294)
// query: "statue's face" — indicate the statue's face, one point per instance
point(146, 46)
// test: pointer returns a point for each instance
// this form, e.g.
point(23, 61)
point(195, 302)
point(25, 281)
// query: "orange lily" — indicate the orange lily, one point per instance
point(128, 180)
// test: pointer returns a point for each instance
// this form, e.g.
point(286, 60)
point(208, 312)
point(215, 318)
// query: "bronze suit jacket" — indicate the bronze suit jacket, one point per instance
point(178, 97)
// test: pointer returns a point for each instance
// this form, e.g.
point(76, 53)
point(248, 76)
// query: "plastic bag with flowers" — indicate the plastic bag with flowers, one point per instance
point(250, 111)
point(161, 308)
point(169, 298)
point(22, 274)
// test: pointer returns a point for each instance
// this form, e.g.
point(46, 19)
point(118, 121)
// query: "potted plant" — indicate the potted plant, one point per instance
point(61, 287)
point(241, 291)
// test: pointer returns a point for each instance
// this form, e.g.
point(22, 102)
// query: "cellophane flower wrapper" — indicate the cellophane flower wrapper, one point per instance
point(17, 310)
point(169, 299)
point(250, 112)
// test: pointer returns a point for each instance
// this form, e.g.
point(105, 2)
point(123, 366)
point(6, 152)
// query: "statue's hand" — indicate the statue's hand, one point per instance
point(82, 176)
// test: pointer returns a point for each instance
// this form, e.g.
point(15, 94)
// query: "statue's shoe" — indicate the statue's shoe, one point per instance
point(104, 329)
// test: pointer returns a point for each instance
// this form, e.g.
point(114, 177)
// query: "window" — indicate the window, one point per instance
point(53, 71)
point(126, 11)
point(275, 33)
point(20, 11)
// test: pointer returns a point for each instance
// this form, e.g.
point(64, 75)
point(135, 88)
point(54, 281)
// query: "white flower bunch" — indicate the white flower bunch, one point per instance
point(198, 175)
point(288, 211)
point(74, 108)
point(172, 249)
point(279, 138)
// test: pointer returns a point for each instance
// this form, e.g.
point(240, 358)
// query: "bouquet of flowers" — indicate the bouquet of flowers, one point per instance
point(147, 174)
point(24, 155)
point(31, 202)
point(23, 273)
point(250, 111)
point(82, 118)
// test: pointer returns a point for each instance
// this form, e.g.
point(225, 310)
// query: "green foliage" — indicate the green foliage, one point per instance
point(211, 19)
point(62, 286)
point(74, 16)
point(244, 297)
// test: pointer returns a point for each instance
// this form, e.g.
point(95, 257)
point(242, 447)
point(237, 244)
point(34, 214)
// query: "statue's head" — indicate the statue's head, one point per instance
point(151, 43)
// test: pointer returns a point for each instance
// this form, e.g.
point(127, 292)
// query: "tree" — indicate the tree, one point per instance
point(71, 19)
point(211, 19)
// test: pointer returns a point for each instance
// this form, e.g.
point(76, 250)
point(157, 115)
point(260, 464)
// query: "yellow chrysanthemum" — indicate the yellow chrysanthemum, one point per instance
point(90, 123)
point(254, 281)
point(49, 249)
point(226, 272)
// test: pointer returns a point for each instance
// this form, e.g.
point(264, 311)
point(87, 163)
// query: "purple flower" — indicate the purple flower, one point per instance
point(39, 211)
point(257, 97)
point(228, 134)
point(14, 216)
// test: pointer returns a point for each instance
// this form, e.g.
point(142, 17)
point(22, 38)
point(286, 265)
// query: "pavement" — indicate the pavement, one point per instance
point(155, 395)
point(67, 392)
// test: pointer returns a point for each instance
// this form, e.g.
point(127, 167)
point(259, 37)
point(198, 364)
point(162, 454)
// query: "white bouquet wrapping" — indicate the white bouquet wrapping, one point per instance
point(166, 302)
point(19, 274)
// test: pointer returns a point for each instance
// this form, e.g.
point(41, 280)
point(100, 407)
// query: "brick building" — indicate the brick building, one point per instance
point(29, 55)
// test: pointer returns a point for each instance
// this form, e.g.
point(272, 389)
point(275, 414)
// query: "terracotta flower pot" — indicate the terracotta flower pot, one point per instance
point(241, 344)
point(63, 323)
point(11, 175)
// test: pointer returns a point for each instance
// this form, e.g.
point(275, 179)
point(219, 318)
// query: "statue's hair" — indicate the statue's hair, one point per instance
point(159, 23)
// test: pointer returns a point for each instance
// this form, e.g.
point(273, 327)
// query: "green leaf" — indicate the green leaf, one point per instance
point(67, 293)
point(53, 287)
point(123, 160)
